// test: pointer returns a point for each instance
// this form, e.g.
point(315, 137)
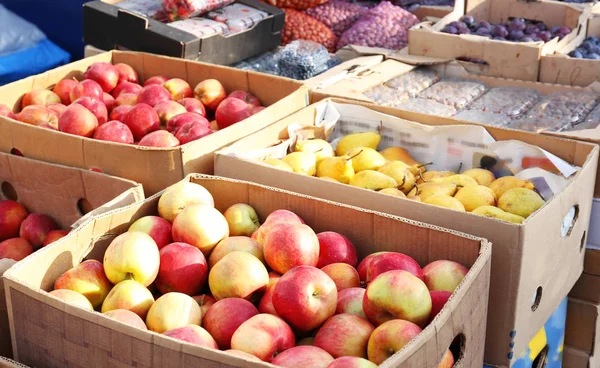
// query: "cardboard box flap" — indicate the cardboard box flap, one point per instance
point(582, 330)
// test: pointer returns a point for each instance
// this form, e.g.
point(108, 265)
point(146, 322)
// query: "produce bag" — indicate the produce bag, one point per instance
point(338, 15)
point(295, 4)
point(303, 60)
point(238, 17)
point(299, 26)
point(183, 9)
point(200, 27)
point(16, 33)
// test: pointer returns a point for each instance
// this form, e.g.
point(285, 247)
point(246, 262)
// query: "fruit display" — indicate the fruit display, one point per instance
point(338, 15)
point(275, 291)
point(299, 26)
point(589, 49)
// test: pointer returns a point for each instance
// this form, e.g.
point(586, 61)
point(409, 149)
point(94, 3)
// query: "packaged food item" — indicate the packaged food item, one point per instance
point(238, 17)
point(538, 125)
point(200, 27)
point(455, 92)
point(265, 63)
point(386, 96)
point(430, 107)
point(591, 121)
point(299, 26)
point(148, 8)
point(484, 117)
point(510, 101)
point(338, 15)
point(303, 60)
point(413, 82)
point(183, 9)
point(562, 110)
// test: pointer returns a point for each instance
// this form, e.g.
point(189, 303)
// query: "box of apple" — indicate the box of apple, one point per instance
point(277, 292)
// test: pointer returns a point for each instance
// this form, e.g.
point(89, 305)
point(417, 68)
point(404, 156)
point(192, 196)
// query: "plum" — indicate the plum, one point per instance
point(545, 36)
point(516, 35)
point(469, 20)
point(500, 31)
point(592, 56)
point(483, 32)
point(464, 30)
point(531, 29)
point(517, 24)
point(576, 54)
point(450, 29)
point(541, 26)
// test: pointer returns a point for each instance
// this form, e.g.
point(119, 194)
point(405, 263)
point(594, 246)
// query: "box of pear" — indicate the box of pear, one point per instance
point(537, 220)
point(235, 274)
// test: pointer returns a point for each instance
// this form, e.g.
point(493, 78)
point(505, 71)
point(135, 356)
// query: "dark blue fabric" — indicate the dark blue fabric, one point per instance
point(34, 60)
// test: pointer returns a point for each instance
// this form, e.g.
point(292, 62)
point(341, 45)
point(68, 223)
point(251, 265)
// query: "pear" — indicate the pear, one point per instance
point(481, 176)
point(474, 196)
point(354, 140)
point(425, 177)
point(520, 201)
point(393, 192)
point(373, 180)
point(327, 178)
point(400, 172)
point(398, 154)
point(304, 163)
point(278, 164)
point(501, 185)
point(321, 148)
point(444, 201)
point(458, 179)
point(337, 168)
point(365, 158)
point(495, 212)
point(427, 189)
point(415, 198)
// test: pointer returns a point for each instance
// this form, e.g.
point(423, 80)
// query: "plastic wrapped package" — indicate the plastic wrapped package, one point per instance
point(265, 63)
point(183, 9)
point(148, 8)
point(303, 60)
point(299, 26)
point(386, 96)
point(238, 17)
point(484, 117)
point(338, 15)
point(455, 92)
point(538, 125)
point(200, 27)
point(334, 60)
point(591, 121)
point(413, 82)
point(510, 101)
point(429, 107)
point(16, 33)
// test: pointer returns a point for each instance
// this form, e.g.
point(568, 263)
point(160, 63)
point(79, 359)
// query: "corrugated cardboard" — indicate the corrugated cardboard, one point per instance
point(583, 326)
point(527, 258)
point(575, 358)
point(155, 168)
point(7, 363)
point(588, 286)
point(62, 193)
point(49, 332)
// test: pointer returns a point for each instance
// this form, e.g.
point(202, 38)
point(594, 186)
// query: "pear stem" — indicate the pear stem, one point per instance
point(351, 157)
point(424, 165)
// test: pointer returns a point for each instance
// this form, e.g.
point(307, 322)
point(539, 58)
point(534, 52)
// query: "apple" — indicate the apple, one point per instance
point(5, 110)
point(40, 97)
point(129, 295)
point(114, 131)
point(205, 302)
point(201, 226)
point(109, 102)
point(350, 301)
point(38, 115)
point(344, 335)
point(173, 310)
point(63, 90)
point(288, 245)
point(363, 266)
point(344, 275)
point(266, 302)
point(178, 88)
point(243, 355)
point(235, 243)
point(104, 73)
point(141, 119)
point(237, 275)
point(168, 109)
point(176, 197)
point(153, 94)
point(438, 300)
point(444, 275)
point(126, 87)
point(132, 255)
point(246, 97)
point(73, 298)
point(447, 360)
point(194, 335)
point(12, 214)
point(351, 362)
point(126, 73)
point(213, 126)
point(87, 88)
point(397, 294)
point(305, 297)
point(193, 105)
point(276, 217)
point(231, 111)
point(157, 227)
point(210, 92)
point(159, 138)
point(54, 235)
point(58, 109)
point(78, 120)
point(127, 317)
point(126, 99)
point(88, 279)
point(15, 249)
point(96, 107)
point(182, 269)
point(119, 112)
point(242, 219)
point(191, 132)
point(178, 121)
point(303, 357)
point(389, 338)
point(225, 316)
point(35, 228)
point(335, 248)
point(392, 261)
point(159, 79)
point(264, 336)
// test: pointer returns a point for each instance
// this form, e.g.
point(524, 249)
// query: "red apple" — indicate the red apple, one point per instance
point(182, 269)
point(88, 279)
point(390, 338)
point(351, 362)
point(266, 302)
point(178, 88)
point(5, 110)
point(119, 112)
point(129, 295)
point(243, 355)
point(363, 266)
point(444, 275)
point(447, 360)
point(306, 341)
point(58, 109)
point(53, 236)
point(63, 90)
point(78, 120)
point(344, 275)
point(201, 226)
point(41, 97)
point(235, 243)
point(15, 249)
point(350, 301)
point(167, 110)
point(231, 111)
point(12, 214)
point(276, 217)
point(205, 302)
point(194, 335)
point(126, 99)
point(126, 73)
point(73, 298)
point(288, 245)
point(438, 300)
point(159, 138)
point(193, 105)
point(126, 317)
point(96, 107)
point(109, 102)
point(303, 357)
point(225, 316)
point(335, 248)
point(257, 109)
point(246, 97)
point(153, 94)
point(392, 261)
point(210, 92)
point(158, 228)
point(159, 79)
point(114, 131)
point(178, 121)
point(238, 275)
point(141, 119)
point(126, 87)
point(35, 228)
point(264, 336)
point(38, 116)
point(180, 195)
point(191, 132)
point(344, 335)
point(104, 73)
point(305, 297)
point(87, 88)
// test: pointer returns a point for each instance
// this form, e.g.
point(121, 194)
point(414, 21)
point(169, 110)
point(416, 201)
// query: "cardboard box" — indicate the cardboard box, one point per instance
point(49, 332)
point(154, 168)
point(504, 59)
point(106, 26)
point(583, 326)
point(64, 193)
point(575, 358)
point(588, 286)
point(531, 261)
point(7, 363)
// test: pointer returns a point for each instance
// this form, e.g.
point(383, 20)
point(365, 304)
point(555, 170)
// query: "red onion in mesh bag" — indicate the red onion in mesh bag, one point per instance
point(295, 4)
point(384, 26)
point(299, 26)
point(338, 15)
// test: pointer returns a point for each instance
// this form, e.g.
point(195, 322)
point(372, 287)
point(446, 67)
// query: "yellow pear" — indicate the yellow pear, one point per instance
point(481, 176)
point(520, 201)
point(415, 198)
point(327, 178)
point(427, 189)
point(393, 192)
point(365, 158)
point(474, 196)
point(337, 168)
point(458, 179)
point(444, 201)
point(427, 176)
point(495, 212)
point(400, 172)
point(304, 163)
point(501, 185)
point(278, 164)
point(354, 140)
point(373, 180)
point(320, 147)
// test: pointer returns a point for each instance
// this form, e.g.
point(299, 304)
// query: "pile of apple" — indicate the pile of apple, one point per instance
point(110, 105)
point(276, 292)
point(22, 233)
